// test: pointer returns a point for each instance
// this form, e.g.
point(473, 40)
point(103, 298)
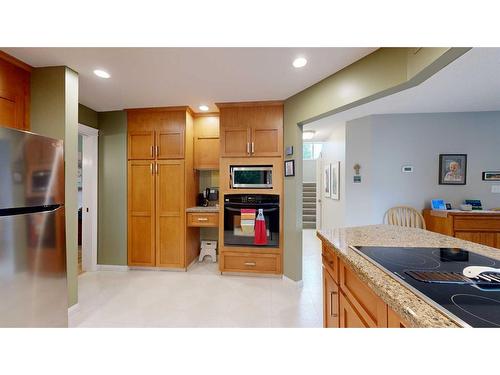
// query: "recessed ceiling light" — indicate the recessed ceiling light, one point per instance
point(299, 62)
point(101, 73)
point(203, 108)
point(308, 134)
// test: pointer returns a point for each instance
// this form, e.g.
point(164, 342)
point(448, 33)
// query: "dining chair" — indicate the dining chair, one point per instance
point(404, 216)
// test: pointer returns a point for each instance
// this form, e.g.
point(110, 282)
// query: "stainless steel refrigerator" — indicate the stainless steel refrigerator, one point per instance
point(33, 287)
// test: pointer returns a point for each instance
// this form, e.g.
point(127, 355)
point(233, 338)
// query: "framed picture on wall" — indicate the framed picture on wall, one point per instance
point(335, 180)
point(326, 181)
point(452, 169)
point(289, 168)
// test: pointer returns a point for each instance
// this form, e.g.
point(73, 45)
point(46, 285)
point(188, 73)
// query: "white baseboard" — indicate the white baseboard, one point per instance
point(73, 308)
point(111, 267)
point(299, 283)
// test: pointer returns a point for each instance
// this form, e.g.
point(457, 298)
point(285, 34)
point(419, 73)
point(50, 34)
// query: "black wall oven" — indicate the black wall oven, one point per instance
point(237, 232)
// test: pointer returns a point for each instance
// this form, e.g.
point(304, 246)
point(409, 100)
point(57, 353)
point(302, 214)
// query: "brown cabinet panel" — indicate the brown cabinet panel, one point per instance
point(349, 316)
point(196, 219)
point(477, 223)
point(331, 262)
point(141, 145)
point(206, 153)
point(235, 142)
point(267, 142)
point(484, 238)
point(170, 213)
point(170, 144)
point(367, 303)
point(394, 320)
point(15, 88)
point(330, 301)
point(141, 208)
point(253, 263)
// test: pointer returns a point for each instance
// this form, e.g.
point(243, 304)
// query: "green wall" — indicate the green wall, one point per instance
point(54, 113)
point(87, 116)
point(383, 72)
point(112, 221)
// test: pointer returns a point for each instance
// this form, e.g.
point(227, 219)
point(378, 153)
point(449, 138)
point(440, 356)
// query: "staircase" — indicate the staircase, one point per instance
point(309, 205)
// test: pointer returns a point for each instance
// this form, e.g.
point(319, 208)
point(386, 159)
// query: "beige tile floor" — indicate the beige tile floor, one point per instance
point(201, 297)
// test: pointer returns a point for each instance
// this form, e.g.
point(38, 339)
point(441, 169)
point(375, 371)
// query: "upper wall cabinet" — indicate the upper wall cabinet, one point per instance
point(251, 129)
point(14, 93)
point(156, 133)
point(206, 142)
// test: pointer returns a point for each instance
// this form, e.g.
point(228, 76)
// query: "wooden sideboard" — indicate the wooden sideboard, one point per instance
point(481, 227)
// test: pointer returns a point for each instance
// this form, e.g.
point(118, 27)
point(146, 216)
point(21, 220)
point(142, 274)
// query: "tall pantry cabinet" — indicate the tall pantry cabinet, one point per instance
point(162, 182)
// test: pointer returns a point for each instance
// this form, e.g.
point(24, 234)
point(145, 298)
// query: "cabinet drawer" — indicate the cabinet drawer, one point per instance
point(370, 306)
point(330, 262)
point(476, 223)
point(196, 219)
point(255, 263)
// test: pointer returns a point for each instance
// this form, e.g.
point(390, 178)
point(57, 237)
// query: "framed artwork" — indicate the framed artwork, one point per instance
point(452, 169)
point(326, 181)
point(289, 168)
point(335, 180)
point(491, 176)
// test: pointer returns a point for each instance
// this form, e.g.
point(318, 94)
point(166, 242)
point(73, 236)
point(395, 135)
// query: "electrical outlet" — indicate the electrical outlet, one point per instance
point(495, 188)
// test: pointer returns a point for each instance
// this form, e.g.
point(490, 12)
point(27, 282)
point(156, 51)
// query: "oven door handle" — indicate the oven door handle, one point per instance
point(263, 209)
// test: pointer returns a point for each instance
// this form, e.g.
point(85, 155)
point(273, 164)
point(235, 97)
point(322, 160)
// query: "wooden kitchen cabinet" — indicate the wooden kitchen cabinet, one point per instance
point(330, 301)
point(141, 145)
point(203, 219)
point(348, 302)
point(156, 133)
point(252, 129)
point(394, 320)
point(170, 213)
point(141, 209)
point(161, 183)
point(478, 227)
point(15, 77)
point(206, 142)
point(349, 316)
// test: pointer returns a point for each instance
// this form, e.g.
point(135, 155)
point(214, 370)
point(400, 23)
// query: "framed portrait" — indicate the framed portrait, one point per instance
point(452, 169)
point(335, 180)
point(289, 168)
point(326, 181)
point(491, 176)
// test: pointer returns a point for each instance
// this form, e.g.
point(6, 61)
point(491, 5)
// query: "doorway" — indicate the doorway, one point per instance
point(87, 198)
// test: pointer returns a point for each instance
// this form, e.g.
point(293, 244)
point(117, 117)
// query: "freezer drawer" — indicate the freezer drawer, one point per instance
point(33, 286)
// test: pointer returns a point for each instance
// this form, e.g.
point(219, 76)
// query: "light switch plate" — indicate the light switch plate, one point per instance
point(495, 188)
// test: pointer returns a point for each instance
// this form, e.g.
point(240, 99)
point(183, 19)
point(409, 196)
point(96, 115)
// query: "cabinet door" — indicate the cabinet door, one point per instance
point(330, 301)
point(170, 222)
point(206, 152)
point(170, 144)
point(394, 320)
point(349, 316)
point(141, 144)
point(235, 142)
point(483, 238)
point(141, 208)
point(267, 142)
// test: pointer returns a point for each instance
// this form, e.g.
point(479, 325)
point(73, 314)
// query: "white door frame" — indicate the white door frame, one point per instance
point(89, 196)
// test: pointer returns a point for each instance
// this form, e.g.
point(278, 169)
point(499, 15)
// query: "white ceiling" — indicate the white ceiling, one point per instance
point(469, 84)
point(150, 77)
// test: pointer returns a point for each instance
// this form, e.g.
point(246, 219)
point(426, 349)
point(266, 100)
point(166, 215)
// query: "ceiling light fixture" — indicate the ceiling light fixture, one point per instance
point(203, 108)
point(308, 134)
point(299, 62)
point(101, 73)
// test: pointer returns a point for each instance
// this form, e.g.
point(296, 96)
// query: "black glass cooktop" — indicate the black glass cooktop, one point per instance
point(437, 273)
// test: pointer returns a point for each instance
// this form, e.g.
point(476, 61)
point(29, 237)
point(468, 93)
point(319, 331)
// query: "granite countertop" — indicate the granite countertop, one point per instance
point(203, 209)
point(412, 308)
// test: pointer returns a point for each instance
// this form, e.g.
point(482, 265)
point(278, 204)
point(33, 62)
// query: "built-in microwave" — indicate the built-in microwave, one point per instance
point(251, 176)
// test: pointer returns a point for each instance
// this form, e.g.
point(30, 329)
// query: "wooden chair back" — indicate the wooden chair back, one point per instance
point(404, 216)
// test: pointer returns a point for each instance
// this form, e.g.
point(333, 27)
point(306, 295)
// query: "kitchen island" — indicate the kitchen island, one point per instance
point(358, 293)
